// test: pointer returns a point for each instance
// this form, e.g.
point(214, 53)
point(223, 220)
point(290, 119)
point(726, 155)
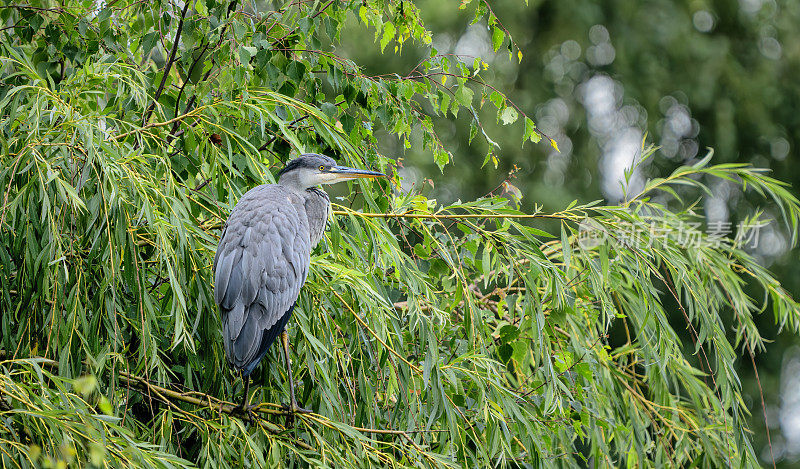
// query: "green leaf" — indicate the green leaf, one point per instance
point(508, 333)
point(473, 130)
point(505, 352)
point(497, 38)
point(463, 95)
point(246, 53)
point(530, 131)
point(509, 115)
point(441, 158)
point(498, 100)
point(566, 248)
point(200, 6)
point(388, 35)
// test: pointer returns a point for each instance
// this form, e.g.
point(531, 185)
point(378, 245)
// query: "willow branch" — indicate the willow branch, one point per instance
point(203, 400)
point(168, 396)
point(445, 216)
point(168, 67)
point(377, 337)
point(189, 114)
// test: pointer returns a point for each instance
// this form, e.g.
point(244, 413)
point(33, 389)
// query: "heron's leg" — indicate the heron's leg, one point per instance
point(245, 408)
point(293, 407)
point(246, 396)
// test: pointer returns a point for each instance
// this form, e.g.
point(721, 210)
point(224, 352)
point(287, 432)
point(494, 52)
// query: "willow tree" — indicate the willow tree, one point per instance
point(468, 334)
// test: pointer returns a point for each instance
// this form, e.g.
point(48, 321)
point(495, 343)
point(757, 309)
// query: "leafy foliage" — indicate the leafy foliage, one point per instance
point(427, 335)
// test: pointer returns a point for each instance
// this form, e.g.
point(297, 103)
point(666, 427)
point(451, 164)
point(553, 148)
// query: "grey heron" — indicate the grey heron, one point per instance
point(263, 258)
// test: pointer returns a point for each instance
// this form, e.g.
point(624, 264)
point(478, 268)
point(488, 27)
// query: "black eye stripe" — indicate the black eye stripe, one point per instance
point(309, 161)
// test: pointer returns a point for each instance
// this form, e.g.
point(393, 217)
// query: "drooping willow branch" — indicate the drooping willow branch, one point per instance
point(202, 400)
point(445, 216)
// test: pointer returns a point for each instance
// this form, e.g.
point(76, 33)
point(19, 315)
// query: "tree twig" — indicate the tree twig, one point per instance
point(444, 216)
point(191, 113)
point(199, 399)
point(167, 67)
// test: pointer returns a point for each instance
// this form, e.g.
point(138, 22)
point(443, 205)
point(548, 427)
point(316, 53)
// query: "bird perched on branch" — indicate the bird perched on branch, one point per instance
point(263, 257)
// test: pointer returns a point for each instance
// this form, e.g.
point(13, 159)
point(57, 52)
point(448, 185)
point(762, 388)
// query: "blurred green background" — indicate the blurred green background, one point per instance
point(601, 76)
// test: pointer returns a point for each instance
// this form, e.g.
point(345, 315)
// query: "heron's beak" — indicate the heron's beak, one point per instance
point(343, 172)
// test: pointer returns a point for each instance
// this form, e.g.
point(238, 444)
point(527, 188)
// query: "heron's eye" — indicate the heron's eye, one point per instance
point(321, 167)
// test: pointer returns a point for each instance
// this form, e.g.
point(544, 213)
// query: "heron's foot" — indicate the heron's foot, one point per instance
point(292, 409)
point(246, 412)
point(296, 409)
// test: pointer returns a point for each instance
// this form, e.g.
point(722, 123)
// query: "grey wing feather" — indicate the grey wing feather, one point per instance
point(222, 271)
point(261, 263)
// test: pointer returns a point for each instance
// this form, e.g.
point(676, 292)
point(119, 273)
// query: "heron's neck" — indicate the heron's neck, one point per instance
point(318, 206)
point(292, 181)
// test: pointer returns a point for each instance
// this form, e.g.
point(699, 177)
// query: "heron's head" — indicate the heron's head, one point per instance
point(312, 169)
